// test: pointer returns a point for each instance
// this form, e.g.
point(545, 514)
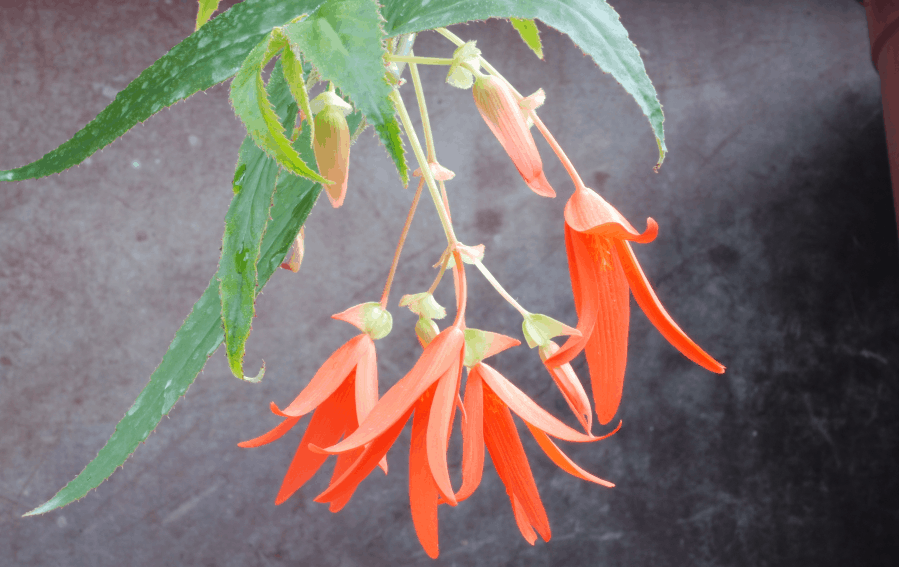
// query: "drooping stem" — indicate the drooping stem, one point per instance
point(560, 153)
point(461, 289)
point(426, 126)
point(399, 246)
point(420, 60)
point(425, 170)
point(444, 260)
point(500, 289)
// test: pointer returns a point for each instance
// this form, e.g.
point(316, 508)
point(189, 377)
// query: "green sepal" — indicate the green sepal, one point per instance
point(423, 305)
point(540, 329)
point(529, 33)
point(484, 344)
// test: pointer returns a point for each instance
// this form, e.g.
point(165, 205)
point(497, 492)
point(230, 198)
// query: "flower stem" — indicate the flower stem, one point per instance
point(425, 169)
point(426, 126)
point(419, 60)
point(500, 289)
point(444, 260)
point(399, 246)
point(560, 153)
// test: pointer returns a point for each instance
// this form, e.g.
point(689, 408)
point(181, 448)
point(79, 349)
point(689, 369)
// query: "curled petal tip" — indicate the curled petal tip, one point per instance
point(540, 185)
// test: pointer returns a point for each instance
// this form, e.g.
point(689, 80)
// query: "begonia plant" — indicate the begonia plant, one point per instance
point(358, 54)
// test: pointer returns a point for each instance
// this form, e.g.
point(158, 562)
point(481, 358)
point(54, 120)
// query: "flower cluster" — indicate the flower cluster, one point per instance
point(351, 422)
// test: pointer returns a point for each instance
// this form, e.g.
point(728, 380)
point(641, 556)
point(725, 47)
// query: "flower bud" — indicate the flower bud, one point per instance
point(501, 111)
point(332, 143)
point(426, 330)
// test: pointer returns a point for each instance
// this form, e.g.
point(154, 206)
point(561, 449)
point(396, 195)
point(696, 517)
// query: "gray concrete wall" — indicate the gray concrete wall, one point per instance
point(777, 253)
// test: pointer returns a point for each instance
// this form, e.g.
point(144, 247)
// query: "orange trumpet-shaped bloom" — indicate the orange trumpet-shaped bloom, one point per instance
point(340, 395)
point(489, 397)
point(501, 111)
point(603, 268)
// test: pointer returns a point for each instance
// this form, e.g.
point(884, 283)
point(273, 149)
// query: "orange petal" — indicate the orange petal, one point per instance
point(562, 460)
point(399, 399)
point(272, 435)
point(328, 423)
point(606, 349)
point(521, 518)
point(366, 380)
point(344, 462)
point(499, 109)
point(650, 304)
point(366, 462)
point(572, 389)
point(331, 375)
point(527, 409)
point(472, 435)
point(587, 212)
point(423, 491)
point(442, 410)
point(507, 453)
point(584, 281)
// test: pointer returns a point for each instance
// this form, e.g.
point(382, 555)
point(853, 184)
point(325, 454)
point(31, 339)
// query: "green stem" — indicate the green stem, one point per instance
point(419, 60)
point(500, 289)
point(425, 169)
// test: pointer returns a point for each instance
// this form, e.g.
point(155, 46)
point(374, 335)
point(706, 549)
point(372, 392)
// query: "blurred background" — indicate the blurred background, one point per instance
point(777, 253)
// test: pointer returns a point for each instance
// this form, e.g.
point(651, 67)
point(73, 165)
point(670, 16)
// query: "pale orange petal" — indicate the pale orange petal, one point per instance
point(472, 435)
point(361, 467)
point(423, 491)
point(562, 460)
point(366, 379)
point(521, 519)
point(587, 212)
point(527, 409)
point(507, 453)
point(657, 315)
point(272, 435)
point(572, 389)
point(499, 109)
point(606, 349)
point(434, 361)
point(441, 411)
point(583, 280)
point(328, 423)
point(331, 375)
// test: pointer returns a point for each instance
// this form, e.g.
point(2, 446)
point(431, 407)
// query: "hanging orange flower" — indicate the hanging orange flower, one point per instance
point(489, 397)
point(603, 267)
point(340, 395)
point(502, 112)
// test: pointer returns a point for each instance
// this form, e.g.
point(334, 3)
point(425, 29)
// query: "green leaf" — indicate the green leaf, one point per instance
point(245, 225)
point(205, 11)
point(592, 24)
point(252, 106)
point(201, 333)
point(344, 40)
point(528, 31)
point(206, 57)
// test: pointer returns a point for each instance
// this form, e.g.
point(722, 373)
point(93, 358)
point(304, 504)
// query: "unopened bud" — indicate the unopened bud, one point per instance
point(332, 143)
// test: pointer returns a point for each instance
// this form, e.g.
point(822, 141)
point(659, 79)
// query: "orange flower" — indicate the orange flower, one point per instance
point(341, 393)
point(431, 391)
point(603, 267)
point(488, 422)
point(501, 111)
